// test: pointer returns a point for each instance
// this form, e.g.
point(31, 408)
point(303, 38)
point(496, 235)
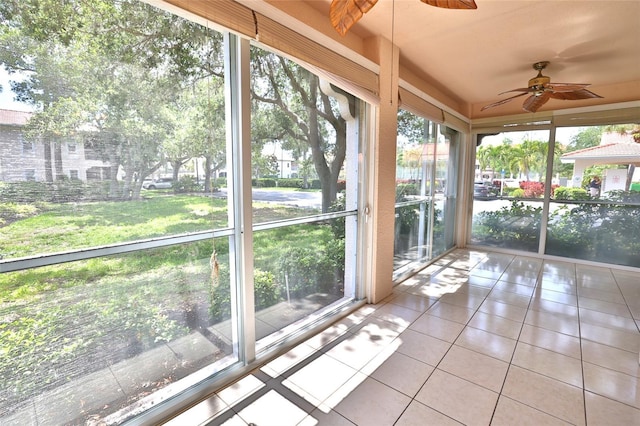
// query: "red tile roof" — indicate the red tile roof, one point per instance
point(14, 118)
point(605, 151)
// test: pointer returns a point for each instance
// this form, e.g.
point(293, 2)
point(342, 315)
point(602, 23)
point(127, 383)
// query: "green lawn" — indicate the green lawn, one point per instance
point(54, 318)
point(54, 228)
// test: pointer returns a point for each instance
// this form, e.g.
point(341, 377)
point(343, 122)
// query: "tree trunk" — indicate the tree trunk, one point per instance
point(328, 174)
point(207, 174)
point(630, 171)
point(175, 165)
point(127, 188)
point(57, 154)
point(114, 165)
point(48, 170)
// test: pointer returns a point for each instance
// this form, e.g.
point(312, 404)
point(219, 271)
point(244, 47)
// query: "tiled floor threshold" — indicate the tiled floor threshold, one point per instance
point(480, 338)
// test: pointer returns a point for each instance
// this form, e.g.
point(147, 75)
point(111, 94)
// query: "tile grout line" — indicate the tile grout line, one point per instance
point(504, 381)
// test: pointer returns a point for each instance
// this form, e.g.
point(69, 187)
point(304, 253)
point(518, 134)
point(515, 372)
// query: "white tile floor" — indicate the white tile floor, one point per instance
point(480, 338)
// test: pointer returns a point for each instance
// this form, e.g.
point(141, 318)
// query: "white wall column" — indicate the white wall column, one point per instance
point(383, 175)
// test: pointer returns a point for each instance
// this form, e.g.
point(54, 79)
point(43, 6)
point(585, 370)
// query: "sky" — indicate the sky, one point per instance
point(563, 135)
point(6, 96)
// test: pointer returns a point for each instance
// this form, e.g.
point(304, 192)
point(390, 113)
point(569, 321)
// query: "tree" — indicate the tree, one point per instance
point(117, 66)
point(303, 113)
point(203, 124)
point(586, 138)
point(411, 126)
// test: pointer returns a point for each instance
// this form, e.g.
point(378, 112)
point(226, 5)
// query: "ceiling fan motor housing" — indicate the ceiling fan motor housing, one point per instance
point(539, 82)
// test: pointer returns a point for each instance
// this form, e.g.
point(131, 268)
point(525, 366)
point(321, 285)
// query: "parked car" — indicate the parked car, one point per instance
point(160, 183)
point(483, 190)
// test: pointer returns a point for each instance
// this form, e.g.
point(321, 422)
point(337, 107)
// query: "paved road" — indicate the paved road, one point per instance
point(289, 198)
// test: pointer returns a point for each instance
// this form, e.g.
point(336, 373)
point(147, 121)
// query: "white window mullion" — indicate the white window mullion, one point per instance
point(238, 110)
point(544, 221)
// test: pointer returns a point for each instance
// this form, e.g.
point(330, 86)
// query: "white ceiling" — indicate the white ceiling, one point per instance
point(471, 56)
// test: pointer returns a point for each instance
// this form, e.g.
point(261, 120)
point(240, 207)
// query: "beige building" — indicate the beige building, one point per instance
point(24, 159)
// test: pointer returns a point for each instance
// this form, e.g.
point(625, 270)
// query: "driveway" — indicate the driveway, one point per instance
point(302, 199)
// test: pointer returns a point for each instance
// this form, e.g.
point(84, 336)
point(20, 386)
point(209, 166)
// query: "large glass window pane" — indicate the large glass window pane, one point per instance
point(596, 195)
point(120, 130)
point(305, 148)
point(508, 190)
point(113, 160)
point(299, 140)
point(299, 271)
point(445, 190)
point(425, 191)
point(416, 150)
point(85, 339)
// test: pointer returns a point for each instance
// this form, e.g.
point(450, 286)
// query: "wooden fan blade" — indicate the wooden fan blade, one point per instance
point(452, 4)
point(533, 102)
point(565, 87)
point(575, 95)
point(521, 89)
point(345, 13)
point(504, 101)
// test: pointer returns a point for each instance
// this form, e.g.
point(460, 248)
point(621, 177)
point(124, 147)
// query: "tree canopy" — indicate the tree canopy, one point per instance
point(109, 73)
point(144, 87)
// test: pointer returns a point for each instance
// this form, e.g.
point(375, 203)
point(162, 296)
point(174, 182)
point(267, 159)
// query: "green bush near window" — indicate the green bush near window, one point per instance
point(290, 183)
point(263, 183)
point(266, 293)
point(187, 184)
point(602, 232)
point(404, 189)
point(516, 226)
point(220, 182)
point(566, 193)
point(516, 193)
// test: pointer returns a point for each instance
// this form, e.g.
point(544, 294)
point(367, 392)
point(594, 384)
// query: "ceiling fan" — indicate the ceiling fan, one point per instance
point(345, 13)
point(542, 89)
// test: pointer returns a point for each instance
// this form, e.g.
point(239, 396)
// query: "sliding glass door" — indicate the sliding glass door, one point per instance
point(426, 182)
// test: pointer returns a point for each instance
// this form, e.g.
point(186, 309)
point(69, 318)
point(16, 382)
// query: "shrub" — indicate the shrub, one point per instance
point(517, 193)
point(54, 192)
point(405, 189)
point(21, 192)
point(566, 193)
point(632, 196)
point(337, 225)
point(220, 306)
point(516, 226)
point(306, 270)
point(266, 291)
point(220, 182)
point(336, 255)
point(290, 183)
point(186, 184)
point(561, 193)
point(406, 217)
point(263, 183)
point(532, 189)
